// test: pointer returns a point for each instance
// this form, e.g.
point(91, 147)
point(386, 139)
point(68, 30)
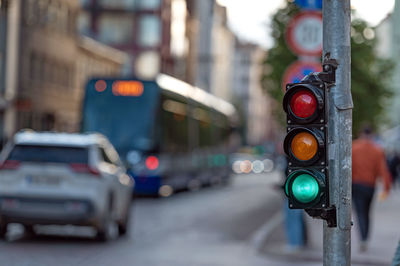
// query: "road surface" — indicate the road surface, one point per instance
point(212, 227)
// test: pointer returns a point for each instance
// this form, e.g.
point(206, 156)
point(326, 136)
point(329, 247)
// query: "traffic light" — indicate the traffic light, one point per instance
point(307, 182)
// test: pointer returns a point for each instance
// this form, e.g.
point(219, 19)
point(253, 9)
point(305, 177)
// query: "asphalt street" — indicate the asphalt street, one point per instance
point(213, 226)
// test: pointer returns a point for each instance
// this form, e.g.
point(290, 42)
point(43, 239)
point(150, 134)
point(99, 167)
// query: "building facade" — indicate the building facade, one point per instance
point(200, 33)
point(141, 28)
point(53, 65)
point(388, 34)
point(223, 50)
point(254, 103)
point(261, 126)
point(47, 62)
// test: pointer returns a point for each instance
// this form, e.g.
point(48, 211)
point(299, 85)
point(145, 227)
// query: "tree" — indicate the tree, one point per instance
point(370, 75)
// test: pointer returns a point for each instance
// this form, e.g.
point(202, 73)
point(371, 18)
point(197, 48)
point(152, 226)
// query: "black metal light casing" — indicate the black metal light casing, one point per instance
point(320, 199)
point(319, 134)
point(315, 88)
point(313, 171)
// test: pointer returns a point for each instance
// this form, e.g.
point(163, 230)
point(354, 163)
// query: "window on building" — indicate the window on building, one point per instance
point(123, 4)
point(70, 77)
point(43, 12)
point(47, 71)
point(149, 4)
point(38, 65)
point(48, 121)
point(71, 21)
point(149, 31)
point(52, 15)
point(31, 10)
point(116, 29)
point(24, 119)
point(32, 66)
point(84, 23)
point(62, 19)
point(53, 72)
point(65, 76)
point(85, 3)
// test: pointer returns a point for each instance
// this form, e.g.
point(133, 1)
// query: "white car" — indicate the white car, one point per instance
point(62, 178)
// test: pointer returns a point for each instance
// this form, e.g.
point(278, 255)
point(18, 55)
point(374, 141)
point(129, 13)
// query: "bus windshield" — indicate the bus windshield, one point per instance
point(122, 110)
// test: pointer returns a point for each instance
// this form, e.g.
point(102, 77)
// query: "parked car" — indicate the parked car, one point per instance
point(62, 178)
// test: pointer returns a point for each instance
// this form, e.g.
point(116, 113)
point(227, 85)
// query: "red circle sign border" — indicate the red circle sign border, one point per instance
point(293, 69)
point(290, 33)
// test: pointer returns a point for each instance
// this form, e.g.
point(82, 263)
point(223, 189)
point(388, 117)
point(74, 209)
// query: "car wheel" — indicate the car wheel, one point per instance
point(194, 185)
point(123, 225)
point(106, 231)
point(3, 229)
point(29, 230)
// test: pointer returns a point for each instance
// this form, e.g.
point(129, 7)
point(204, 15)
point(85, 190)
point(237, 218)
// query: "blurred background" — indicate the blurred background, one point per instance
point(189, 93)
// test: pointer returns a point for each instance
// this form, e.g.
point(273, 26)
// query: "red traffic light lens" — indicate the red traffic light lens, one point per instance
point(303, 104)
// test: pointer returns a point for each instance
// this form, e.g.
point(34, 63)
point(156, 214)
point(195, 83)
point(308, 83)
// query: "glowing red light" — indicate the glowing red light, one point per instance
point(100, 85)
point(152, 162)
point(303, 104)
point(10, 165)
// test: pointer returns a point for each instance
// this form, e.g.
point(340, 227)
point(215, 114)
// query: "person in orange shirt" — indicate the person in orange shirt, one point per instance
point(369, 163)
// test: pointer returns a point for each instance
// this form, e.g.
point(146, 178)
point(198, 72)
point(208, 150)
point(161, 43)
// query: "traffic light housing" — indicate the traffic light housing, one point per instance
point(306, 144)
point(307, 183)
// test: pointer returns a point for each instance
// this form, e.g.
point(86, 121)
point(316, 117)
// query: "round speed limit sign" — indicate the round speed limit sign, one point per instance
point(304, 33)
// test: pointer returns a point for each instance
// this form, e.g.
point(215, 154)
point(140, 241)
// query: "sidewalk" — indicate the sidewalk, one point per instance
point(384, 236)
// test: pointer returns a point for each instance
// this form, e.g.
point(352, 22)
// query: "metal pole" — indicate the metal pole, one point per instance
point(12, 65)
point(3, 56)
point(336, 44)
point(3, 35)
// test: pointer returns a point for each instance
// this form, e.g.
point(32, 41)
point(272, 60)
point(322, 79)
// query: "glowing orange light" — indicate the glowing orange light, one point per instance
point(304, 146)
point(152, 162)
point(127, 88)
point(100, 85)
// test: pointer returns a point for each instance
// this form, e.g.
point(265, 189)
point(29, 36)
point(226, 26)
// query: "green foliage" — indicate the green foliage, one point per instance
point(370, 75)
point(278, 57)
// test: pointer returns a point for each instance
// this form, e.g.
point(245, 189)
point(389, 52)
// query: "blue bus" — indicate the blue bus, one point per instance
point(171, 135)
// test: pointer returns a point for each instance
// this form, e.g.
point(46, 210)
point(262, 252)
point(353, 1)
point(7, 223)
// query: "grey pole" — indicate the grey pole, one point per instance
point(3, 57)
point(12, 64)
point(336, 44)
point(3, 38)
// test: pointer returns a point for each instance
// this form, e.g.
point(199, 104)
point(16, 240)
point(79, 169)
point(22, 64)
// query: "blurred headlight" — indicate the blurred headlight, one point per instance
point(257, 166)
point(236, 167)
point(268, 165)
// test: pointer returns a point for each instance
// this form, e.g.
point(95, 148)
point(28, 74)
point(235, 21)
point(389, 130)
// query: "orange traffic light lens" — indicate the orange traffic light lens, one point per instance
point(304, 146)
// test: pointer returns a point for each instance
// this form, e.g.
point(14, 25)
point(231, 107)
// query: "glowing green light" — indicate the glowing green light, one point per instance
point(305, 188)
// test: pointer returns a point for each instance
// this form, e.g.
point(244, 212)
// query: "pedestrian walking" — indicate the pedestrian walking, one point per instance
point(396, 259)
point(295, 226)
point(394, 167)
point(369, 163)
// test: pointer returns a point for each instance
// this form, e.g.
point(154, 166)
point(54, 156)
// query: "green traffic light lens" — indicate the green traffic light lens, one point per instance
point(305, 188)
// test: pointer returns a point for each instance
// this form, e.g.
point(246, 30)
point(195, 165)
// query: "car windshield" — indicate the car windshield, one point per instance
point(49, 154)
